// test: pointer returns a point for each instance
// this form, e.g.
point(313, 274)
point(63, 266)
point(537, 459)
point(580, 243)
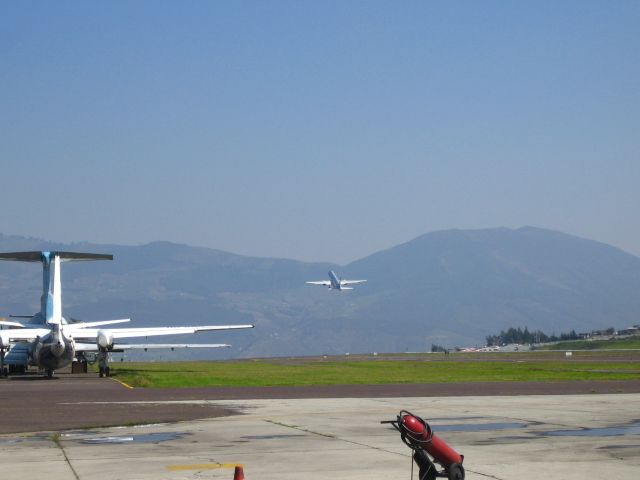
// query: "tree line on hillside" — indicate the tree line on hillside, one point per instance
point(517, 335)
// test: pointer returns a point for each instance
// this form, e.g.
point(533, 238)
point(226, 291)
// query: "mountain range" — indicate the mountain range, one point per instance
point(449, 288)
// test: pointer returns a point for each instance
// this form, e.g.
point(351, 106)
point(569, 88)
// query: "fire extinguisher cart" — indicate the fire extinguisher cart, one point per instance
point(428, 448)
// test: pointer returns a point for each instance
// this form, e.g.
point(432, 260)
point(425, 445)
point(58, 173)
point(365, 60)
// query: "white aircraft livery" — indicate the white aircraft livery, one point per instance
point(49, 341)
point(335, 282)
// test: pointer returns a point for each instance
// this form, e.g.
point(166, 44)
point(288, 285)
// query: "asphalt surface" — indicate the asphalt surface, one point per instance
point(522, 437)
point(34, 404)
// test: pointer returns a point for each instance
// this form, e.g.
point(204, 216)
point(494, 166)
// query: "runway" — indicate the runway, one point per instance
point(524, 437)
point(35, 404)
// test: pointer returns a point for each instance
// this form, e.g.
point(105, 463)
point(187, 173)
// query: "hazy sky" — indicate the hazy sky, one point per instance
point(318, 130)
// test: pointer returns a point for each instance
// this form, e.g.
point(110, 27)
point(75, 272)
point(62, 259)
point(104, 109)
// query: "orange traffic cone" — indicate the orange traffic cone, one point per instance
point(238, 474)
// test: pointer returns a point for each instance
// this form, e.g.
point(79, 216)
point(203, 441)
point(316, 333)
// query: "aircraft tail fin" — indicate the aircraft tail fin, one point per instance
point(54, 301)
point(51, 300)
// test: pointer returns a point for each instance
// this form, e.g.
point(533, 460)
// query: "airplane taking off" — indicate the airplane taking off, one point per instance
point(335, 282)
point(49, 341)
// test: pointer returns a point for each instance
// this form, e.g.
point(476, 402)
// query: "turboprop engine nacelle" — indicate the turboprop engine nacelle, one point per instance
point(105, 339)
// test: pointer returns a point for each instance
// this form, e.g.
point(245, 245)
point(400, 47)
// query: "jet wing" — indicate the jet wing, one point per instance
point(92, 347)
point(8, 323)
point(145, 346)
point(23, 334)
point(70, 327)
point(351, 282)
point(155, 331)
point(325, 283)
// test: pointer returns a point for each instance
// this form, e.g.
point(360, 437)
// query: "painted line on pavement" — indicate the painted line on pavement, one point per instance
point(122, 383)
point(203, 466)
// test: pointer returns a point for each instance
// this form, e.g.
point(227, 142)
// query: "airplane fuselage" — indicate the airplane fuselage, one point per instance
point(335, 281)
point(52, 352)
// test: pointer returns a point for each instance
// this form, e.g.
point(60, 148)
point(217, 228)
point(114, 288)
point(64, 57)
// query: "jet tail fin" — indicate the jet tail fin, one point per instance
point(54, 301)
point(51, 300)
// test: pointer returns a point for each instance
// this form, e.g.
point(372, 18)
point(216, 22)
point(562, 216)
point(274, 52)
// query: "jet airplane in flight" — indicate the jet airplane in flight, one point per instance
point(49, 341)
point(335, 282)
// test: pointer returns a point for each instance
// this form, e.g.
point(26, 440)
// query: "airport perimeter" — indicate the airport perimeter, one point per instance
point(524, 434)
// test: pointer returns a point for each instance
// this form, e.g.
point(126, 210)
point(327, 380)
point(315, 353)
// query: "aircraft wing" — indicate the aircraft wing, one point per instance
point(70, 327)
point(92, 347)
point(23, 334)
point(155, 331)
point(351, 282)
point(325, 283)
point(8, 323)
point(145, 346)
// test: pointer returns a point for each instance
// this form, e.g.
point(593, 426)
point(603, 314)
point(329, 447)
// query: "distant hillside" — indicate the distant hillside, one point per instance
point(459, 283)
point(449, 287)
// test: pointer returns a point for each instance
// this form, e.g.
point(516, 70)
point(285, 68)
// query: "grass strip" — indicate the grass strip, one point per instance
point(257, 373)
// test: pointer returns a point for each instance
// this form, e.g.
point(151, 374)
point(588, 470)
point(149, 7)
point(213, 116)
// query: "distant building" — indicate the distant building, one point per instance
point(635, 330)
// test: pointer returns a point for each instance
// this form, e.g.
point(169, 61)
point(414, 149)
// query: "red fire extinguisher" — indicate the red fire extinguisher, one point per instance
point(418, 435)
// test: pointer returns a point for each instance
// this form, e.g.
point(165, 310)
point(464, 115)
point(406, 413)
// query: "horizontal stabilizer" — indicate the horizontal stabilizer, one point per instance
point(64, 256)
point(22, 256)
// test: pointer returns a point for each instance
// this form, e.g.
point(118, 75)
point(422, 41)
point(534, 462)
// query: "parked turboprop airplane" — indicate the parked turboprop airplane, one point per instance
point(47, 340)
point(335, 282)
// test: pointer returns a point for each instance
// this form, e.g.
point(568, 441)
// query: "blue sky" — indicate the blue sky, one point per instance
point(318, 130)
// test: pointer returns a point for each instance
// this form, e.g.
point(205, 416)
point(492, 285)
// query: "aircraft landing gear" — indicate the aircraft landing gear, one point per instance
point(103, 363)
point(17, 369)
point(3, 373)
point(79, 364)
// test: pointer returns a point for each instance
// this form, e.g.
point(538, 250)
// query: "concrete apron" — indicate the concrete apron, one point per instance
point(522, 437)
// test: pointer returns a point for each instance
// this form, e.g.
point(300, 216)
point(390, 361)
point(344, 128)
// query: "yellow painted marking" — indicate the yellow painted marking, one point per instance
point(203, 466)
point(122, 383)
